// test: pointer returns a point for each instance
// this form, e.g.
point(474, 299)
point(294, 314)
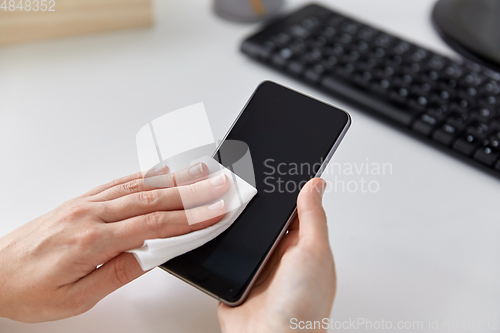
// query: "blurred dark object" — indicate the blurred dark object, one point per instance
point(471, 27)
point(247, 10)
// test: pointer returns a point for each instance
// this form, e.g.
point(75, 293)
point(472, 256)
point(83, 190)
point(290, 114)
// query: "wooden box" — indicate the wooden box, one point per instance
point(62, 18)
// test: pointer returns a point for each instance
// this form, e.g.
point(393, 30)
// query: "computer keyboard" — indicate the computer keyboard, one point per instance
point(455, 104)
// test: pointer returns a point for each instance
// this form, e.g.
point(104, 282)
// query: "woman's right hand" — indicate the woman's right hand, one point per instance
point(48, 266)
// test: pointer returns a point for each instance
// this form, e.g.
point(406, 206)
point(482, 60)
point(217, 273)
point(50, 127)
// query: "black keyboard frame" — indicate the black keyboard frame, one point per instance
point(363, 99)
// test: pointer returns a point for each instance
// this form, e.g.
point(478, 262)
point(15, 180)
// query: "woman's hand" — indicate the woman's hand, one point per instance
point(48, 266)
point(298, 281)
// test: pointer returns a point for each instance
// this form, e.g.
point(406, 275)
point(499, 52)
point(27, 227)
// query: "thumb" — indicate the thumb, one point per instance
point(312, 217)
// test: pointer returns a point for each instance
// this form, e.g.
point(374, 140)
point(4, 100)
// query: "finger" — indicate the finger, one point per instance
point(294, 225)
point(185, 176)
point(163, 169)
point(112, 275)
point(176, 198)
point(113, 183)
point(312, 217)
point(133, 232)
point(189, 175)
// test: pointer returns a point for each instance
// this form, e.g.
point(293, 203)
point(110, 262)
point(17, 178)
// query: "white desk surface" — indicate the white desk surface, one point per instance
point(426, 246)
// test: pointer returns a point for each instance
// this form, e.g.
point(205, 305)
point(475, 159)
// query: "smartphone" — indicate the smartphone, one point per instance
point(290, 137)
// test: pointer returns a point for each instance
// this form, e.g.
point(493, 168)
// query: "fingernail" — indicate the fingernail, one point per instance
point(320, 187)
point(217, 205)
point(218, 180)
point(161, 170)
point(196, 170)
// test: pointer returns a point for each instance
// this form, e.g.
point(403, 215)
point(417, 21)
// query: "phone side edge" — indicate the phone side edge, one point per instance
point(292, 216)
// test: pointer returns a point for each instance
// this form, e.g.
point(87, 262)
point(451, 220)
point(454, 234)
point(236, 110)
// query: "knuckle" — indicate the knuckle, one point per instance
point(77, 210)
point(192, 189)
point(154, 222)
point(169, 179)
point(148, 197)
point(137, 176)
point(131, 187)
point(112, 183)
point(88, 238)
point(188, 196)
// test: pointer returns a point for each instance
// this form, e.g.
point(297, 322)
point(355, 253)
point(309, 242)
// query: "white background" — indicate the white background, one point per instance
point(426, 246)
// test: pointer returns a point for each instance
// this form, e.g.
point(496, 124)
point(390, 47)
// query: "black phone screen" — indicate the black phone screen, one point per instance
point(289, 136)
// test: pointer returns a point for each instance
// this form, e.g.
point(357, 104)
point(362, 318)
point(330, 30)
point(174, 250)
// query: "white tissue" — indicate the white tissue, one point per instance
point(155, 252)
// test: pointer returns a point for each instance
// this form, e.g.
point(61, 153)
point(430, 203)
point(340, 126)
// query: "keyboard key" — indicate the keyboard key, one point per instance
point(310, 23)
point(329, 33)
point(282, 39)
point(492, 87)
point(299, 31)
point(366, 33)
point(405, 118)
point(298, 47)
point(408, 78)
point(458, 120)
point(437, 63)
point(402, 48)
point(446, 134)
point(453, 71)
point(425, 124)
point(347, 70)
point(383, 40)
point(452, 84)
point(270, 46)
point(279, 61)
point(335, 20)
point(475, 79)
point(466, 144)
point(315, 74)
point(345, 38)
point(438, 111)
point(396, 60)
point(382, 87)
point(446, 94)
point(431, 76)
point(478, 130)
point(399, 96)
point(419, 55)
point(379, 52)
point(350, 27)
point(330, 62)
point(362, 46)
point(316, 54)
point(337, 50)
point(495, 140)
point(319, 42)
point(485, 114)
point(296, 67)
point(490, 101)
point(466, 103)
point(286, 53)
point(370, 64)
point(422, 100)
point(487, 156)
